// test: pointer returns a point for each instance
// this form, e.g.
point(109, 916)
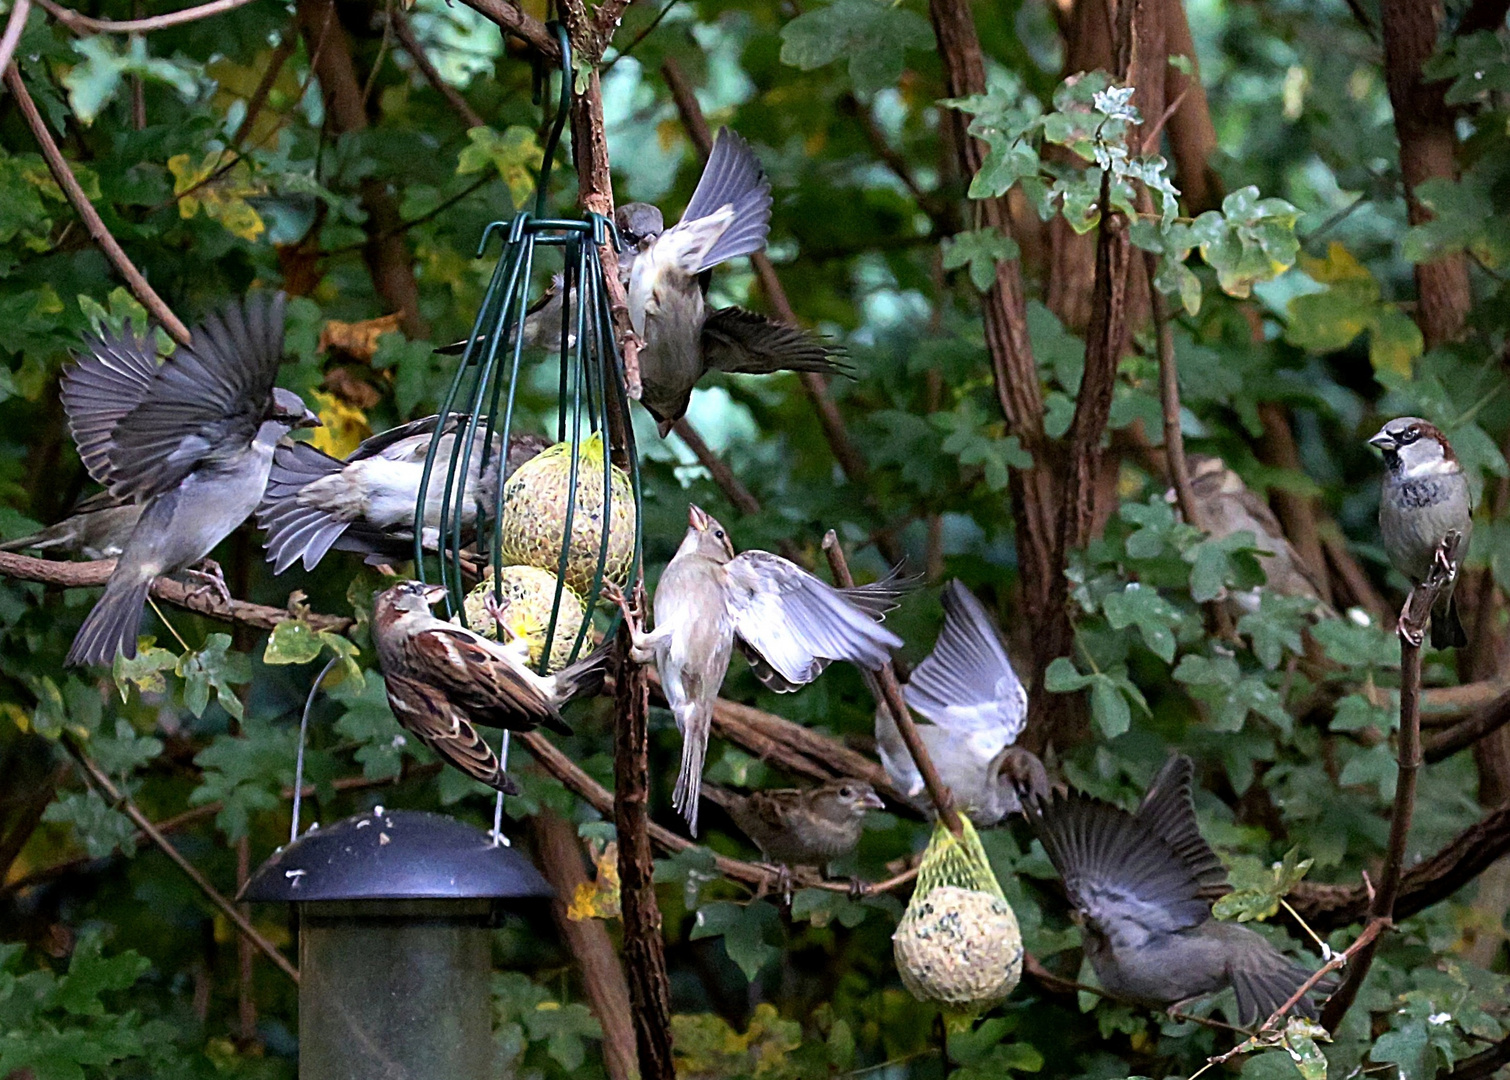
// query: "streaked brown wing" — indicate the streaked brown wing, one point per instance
point(482, 683)
point(424, 711)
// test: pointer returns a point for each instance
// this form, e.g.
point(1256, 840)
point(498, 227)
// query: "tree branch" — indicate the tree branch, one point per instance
point(1411, 628)
point(83, 24)
point(15, 26)
point(58, 166)
point(142, 822)
point(512, 20)
point(416, 51)
point(1460, 736)
point(81, 575)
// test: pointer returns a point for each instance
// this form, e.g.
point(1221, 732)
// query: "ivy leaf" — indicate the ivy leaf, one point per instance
point(744, 928)
point(100, 828)
point(980, 250)
point(822, 906)
point(514, 153)
point(294, 641)
point(874, 35)
point(144, 671)
point(1257, 890)
point(1219, 562)
point(93, 82)
point(214, 667)
point(368, 721)
point(246, 773)
point(1144, 608)
point(693, 868)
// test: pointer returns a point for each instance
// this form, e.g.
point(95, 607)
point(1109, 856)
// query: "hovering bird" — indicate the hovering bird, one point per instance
point(1423, 497)
point(801, 827)
point(1141, 885)
point(1227, 507)
point(666, 274)
point(190, 440)
point(443, 680)
point(788, 624)
point(365, 504)
point(98, 528)
point(975, 706)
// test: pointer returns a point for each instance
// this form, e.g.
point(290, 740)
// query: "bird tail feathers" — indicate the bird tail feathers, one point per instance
point(744, 342)
point(113, 624)
point(1264, 979)
point(585, 677)
point(694, 750)
point(1446, 628)
point(296, 530)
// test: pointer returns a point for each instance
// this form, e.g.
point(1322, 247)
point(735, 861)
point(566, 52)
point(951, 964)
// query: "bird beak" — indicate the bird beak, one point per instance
point(434, 594)
point(309, 419)
point(697, 517)
point(873, 802)
point(1383, 440)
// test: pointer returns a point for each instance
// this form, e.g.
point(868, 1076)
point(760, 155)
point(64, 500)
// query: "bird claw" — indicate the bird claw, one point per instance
point(615, 595)
point(857, 889)
point(211, 579)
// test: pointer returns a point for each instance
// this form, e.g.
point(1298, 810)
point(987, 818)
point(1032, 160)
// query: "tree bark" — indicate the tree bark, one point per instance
point(385, 252)
point(1428, 150)
point(1191, 134)
point(602, 976)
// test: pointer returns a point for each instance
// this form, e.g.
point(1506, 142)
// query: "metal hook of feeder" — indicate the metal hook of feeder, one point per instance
point(563, 109)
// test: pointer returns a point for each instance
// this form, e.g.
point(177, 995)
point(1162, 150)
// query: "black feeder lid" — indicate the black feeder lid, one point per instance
point(395, 855)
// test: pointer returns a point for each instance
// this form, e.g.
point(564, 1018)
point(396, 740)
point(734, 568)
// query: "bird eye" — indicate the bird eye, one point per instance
point(846, 792)
point(1410, 435)
point(718, 533)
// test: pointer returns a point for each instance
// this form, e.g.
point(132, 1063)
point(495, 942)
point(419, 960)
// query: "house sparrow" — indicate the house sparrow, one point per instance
point(98, 528)
point(666, 273)
point(542, 324)
point(1424, 496)
point(801, 827)
point(975, 707)
point(443, 680)
point(1141, 885)
point(788, 624)
point(1227, 507)
point(365, 504)
point(191, 440)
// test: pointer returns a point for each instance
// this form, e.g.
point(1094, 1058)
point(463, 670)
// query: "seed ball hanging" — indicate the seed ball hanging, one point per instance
point(525, 610)
point(534, 515)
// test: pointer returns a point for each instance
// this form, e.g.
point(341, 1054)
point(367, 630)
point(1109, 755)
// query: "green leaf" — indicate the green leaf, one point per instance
point(1144, 608)
point(94, 81)
point(214, 667)
point(873, 35)
point(980, 250)
point(1257, 890)
point(144, 671)
point(1061, 677)
point(744, 928)
point(514, 153)
point(1299, 1040)
point(100, 828)
point(1109, 708)
point(246, 773)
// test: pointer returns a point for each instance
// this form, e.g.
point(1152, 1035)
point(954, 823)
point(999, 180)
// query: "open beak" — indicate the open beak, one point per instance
point(1383, 440)
point(434, 594)
point(697, 517)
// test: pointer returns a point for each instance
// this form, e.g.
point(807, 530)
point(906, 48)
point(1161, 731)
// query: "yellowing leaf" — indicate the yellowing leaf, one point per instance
point(514, 153)
point(345, 425)
point(1339, 265)
point(598, 899)
point(358, 339)
point(219, 184)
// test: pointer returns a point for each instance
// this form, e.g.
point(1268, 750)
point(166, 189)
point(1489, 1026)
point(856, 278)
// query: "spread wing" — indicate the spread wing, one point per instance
point(206, 400)
point(737, 340)
point(1124, 879)
point(967, 683)
point(733, 177)
point(796, 624)
point(424, 711)
point(111, 378)
point(478, 678)
point(1168, 812)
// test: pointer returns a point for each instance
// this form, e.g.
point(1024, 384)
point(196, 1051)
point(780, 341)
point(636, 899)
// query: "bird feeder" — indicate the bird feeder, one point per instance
point(395, 909)
point(593, 412)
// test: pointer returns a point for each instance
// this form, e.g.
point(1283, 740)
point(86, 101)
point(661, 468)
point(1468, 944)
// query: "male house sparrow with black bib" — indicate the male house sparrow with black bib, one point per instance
point(801, 827)
point(1424, 496)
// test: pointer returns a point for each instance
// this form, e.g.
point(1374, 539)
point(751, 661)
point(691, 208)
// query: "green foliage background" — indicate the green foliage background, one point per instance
point(116, 966)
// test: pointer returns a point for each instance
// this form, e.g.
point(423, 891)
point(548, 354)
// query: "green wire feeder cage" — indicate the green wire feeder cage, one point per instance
point(568, 519)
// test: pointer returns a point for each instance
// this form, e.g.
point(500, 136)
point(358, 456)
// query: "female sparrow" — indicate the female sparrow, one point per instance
point(1424, 496)
point(796, 827)
point(444, 679)
point(788, 624)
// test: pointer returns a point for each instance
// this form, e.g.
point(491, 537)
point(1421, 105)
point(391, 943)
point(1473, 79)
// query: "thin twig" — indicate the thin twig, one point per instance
point(641, 36)
point(281, 53)
point(142, 822)
point(14, 27)
point(1411, 630)
point(416, 51)
point(86, 211)
point(890, 698)
point(83, 24)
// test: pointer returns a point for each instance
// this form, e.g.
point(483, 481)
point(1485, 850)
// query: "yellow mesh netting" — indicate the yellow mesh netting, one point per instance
point(955, 860)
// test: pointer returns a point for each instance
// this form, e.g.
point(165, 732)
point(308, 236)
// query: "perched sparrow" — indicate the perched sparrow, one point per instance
point(1141, 885)
point(976, 707)
point(788, 624)
point(542, 324)
point(793, 827)
point(666, 277)
point(1227, 507)
point(444, 679)
point(365, 504)
point(192, 441)
point(98, 528)
point(1424, 497)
